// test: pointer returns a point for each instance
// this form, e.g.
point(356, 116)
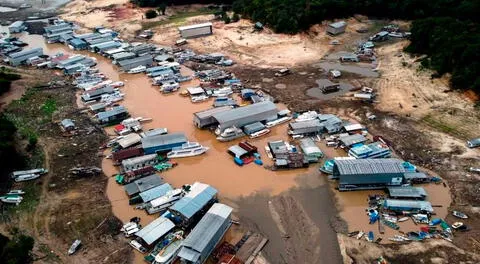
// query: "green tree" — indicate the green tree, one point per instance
point(162, 8)
point(235, 17)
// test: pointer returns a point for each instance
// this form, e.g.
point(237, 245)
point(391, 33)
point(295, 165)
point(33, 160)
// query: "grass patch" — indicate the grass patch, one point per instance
point(442, 126)
point(49, 256)
point(30, 200)
point(179, 18)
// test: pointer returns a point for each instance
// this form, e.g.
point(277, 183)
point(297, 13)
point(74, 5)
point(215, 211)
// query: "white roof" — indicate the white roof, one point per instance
point(352, 127)
point(129, 140)
point(195, 90)
point(209, 24)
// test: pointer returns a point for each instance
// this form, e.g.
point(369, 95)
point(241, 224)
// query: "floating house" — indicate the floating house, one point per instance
point(351, 140)
point(206, 235)
point(129, 140)
point(20, 57)
point(155, 192)
point(332, 123)
point(143, 184)
point(336, 28)
point(194, 204)
point(241, 116)
point(416, 177)
point(198, 30)
point(375, 150)
point(163, 143)
point(139, 162)
point(155, 230)
point(122, 154)
point(310, 150)
point(16, 27)
point(112, 116)
point(253, 127)
point(308, 127)
point(154, 132)
point(117, 57)
point(408, 206)
point(126, 65)
point(205, 118)
point(364, 174)
point(407, 192)
point(77, 44)
point(95, 108)
point(96, 94)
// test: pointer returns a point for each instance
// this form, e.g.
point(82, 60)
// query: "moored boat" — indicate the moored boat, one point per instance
point(138, 69)
point(15, 192)
point(459, 215)
point(12, 199)
point(74, 247)
point(230, 133)
point(260, 133)
point(278, 121)
point(188, 149)
point(27, 177)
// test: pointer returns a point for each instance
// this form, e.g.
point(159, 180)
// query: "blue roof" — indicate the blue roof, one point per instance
point(77, 42)
point(200, 194)
point(155, 192)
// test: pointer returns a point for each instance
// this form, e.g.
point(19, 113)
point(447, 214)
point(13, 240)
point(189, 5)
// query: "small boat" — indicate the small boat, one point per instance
point(117, 84)
point(390, 224)
point(230, 133)
point(370, 236)
point(403, 219)
point(354, 233)
point(168, 253)
point(15, 192)
point(27, 177)
point(199, 98)
point(12, 199)
point(136, 245)
point(360, 234)
point(258, 162)
point(188, 149)
point(138, 69)
point(459, 215)
point(260, 133)
point(278, 121)
point(74, 247)
point(268, 151)
point(310, 115)
point(238, 161)
point(435, 221)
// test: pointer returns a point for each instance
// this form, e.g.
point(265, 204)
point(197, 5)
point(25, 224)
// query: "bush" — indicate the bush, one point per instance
point(235, 17)
point(227, 19)
point(151, 14)
point(17, 250)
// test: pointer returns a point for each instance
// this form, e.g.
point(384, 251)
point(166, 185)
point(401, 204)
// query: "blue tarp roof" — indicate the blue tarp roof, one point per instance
point(199, 195)
point(155, 192)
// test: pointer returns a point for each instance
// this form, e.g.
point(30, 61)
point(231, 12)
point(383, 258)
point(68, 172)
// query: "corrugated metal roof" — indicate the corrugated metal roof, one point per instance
point(158, 140)
point(210, 112)
point(67, 123)
point(338, 24)
point(209, 24)
point(408, 191)
point(254, 127)
point(136, 160)
point(200, 194)
point(195, 90)
point(77, 42)
point(145, 58)
point(245, 111)
point(112, 112)
point(25, 53)
point(143, 184)
point(129, 140)
point(205, 231)
point(237, 151)
point(121, 55)
point(305, 124)
point(369, 166)
point(415, 175)
point(309, 147)
point(155, 230)
point(17, 24)
point(155, 192)
point(155, 132)
point(408, 204)
point(352, 139)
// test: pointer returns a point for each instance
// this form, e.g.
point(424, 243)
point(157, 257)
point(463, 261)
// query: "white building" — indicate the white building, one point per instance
point(197, 30)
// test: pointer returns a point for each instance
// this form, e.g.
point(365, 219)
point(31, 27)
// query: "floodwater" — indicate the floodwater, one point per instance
point(365, 71)
point(246, 188)
point(316, 92)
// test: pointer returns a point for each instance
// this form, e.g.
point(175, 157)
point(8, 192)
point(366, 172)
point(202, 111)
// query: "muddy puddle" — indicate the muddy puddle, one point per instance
point(362, 69)
point(317, 93)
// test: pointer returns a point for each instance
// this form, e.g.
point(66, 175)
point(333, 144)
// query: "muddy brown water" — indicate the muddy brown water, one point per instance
point(249, 188)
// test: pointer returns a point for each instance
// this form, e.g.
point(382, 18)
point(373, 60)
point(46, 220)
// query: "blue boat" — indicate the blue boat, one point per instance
point(409, 167)
point(238, 161)
point(370, 236)
point(258, 162)
point(328, 166)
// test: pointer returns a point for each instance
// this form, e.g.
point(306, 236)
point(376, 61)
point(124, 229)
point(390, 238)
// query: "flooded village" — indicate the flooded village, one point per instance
point(168, 146)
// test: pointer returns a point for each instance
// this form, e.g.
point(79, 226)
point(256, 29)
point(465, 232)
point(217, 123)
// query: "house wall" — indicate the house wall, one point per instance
point(162, 148)
point(19, 60)
point(335, 31)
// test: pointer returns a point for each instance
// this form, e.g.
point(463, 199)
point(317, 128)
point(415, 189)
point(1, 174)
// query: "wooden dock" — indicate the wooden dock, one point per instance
point(251, 248)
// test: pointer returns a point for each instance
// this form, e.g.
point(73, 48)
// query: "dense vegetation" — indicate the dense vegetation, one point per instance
point(16, 250)
point(157, 3)
point(6, 79)
point(10, 159)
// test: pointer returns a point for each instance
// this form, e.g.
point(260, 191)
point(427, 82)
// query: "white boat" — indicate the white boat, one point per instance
point(127, 226)
point(222, 92)
point(27, 177)
point(268, 151)
point(260, 133)
point(403, 219)
point(162, 203)
point(138, 69)
point(138, 246)
point(117, 84)
point(360, 234)
point(310, 115)
point(230, 133)
point(168, 254)
point(15, 192)
point(74, 247)
point(199, 98)
point(188, 149)
point(278, 121)
point(12, 199)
